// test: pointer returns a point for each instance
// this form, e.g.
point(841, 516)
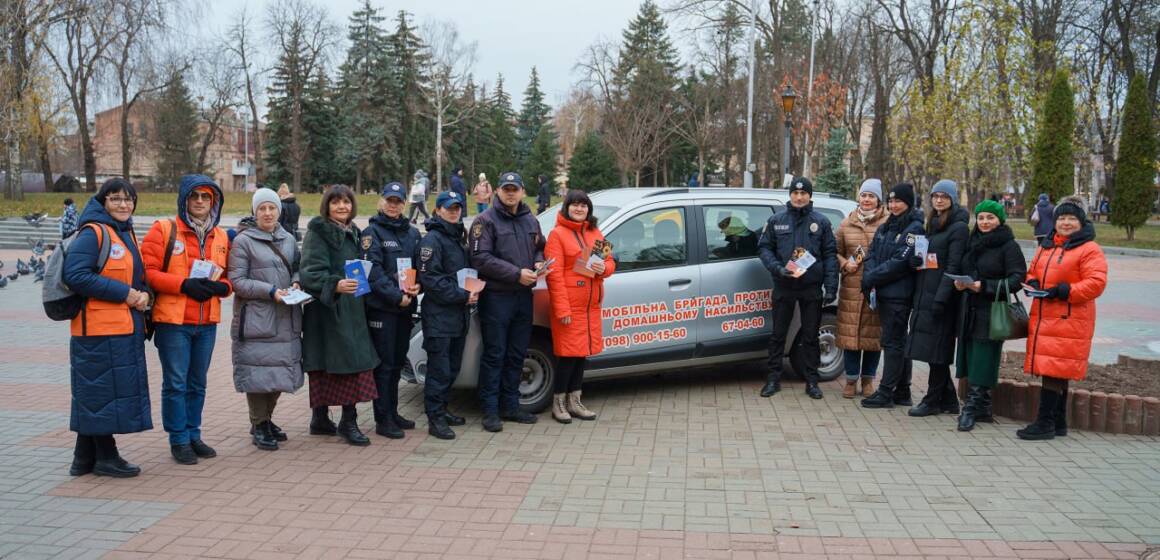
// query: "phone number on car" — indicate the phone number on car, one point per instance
point(645, 337)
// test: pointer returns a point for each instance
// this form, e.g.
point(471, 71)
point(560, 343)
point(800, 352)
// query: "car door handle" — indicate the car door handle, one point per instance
point(680, 283)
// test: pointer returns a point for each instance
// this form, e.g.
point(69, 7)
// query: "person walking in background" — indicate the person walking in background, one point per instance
point(337, 350)
point(110, 384)
point(390, 305)
point(1042, 217)
point(483, 193)
point(1105, 209)
point(933, 322)
point(446, 310)
point(419, 196)
point(186, 262)
point(68, 219)
point(859, 329)
point(507, 249)
point(798, 233)
point(544, 194)
point(576, 290)
point(1071, 268)
point(888, 280)
point(458, 187)
point(291, 211)
point(266, 332)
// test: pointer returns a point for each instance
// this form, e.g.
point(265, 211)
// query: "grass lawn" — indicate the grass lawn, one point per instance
point(164, 204)
point(1107, 235)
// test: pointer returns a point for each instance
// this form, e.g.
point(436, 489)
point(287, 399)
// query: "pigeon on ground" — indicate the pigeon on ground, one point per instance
point(22, 268)
point(37, 246)
point(14, 276)
point(3, 282)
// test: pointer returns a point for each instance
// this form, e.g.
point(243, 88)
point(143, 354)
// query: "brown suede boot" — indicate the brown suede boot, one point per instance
point(867, 386)
point(850, 389)
point(559, 410)
point(577, 408)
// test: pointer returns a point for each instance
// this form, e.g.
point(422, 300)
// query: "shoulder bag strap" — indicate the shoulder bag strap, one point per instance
point(169, 245)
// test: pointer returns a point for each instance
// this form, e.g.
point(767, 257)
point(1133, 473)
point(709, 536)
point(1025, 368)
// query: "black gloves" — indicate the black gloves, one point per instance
point(1060, 291)
point(1033, 283)
point(200, 289)
point(915, 261)
point(220, 289)
point(784, 272)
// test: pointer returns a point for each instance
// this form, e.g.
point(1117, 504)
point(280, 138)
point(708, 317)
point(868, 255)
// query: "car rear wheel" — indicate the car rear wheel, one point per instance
point(830, 366)
point(539, 375)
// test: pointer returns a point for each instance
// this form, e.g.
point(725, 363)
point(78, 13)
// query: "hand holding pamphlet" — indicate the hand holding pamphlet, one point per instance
point(469, 280)
point(206, 269)
point(802, 261)
point(294, 296)
point(1034, 292)
point(544, 267)
point(407, 275)
point(964, 278)
point(359, 270)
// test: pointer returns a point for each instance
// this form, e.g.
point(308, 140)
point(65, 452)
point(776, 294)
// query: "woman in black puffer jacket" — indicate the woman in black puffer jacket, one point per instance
point(996, 262)
point(932, 324)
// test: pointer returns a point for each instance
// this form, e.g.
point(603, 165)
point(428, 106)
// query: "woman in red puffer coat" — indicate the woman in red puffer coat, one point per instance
point(576, 289)
point(1070, 267)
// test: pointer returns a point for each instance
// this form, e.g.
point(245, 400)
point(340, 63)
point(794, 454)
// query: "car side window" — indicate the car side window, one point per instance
point(654, 239)
point(732, 232)
point(835, 216)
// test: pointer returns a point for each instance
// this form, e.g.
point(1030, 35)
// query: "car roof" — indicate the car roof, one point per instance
point(621, 197)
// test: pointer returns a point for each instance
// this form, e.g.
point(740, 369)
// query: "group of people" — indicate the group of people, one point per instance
point(924, 288)
point(351, 336)
point(482, 192)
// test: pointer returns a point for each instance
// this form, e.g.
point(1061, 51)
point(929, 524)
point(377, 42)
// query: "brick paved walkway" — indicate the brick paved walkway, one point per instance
point(694, 465)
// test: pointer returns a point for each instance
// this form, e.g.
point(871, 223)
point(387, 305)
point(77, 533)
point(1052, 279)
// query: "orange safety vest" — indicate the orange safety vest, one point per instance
point(170, 308)
point(100, 317)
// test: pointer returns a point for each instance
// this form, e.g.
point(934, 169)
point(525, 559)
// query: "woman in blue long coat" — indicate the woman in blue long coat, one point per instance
point(110, 386)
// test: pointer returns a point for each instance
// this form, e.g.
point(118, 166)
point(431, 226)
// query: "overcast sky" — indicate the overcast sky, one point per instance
point(512, 35)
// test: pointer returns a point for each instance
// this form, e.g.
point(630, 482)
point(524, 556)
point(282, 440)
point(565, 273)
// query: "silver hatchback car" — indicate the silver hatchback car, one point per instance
point(689, 290)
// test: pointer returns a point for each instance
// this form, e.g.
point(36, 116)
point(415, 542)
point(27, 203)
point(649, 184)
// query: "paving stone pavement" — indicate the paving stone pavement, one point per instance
point(690, 465)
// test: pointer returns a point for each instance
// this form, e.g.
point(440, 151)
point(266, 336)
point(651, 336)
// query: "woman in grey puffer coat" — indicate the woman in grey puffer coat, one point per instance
point(266, 334)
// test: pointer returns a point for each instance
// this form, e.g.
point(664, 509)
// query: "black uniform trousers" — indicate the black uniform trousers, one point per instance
point(391, 335)
point(444, 358)
point(810, 303)
point(896, 368)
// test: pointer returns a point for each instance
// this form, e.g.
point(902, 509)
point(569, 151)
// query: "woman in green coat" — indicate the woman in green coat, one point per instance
point(336, 344)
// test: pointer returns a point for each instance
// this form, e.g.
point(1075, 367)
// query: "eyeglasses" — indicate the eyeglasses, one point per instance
point(119, 200)
point(200, 196)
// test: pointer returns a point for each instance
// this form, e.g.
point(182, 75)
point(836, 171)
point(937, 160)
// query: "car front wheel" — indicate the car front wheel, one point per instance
point(539, 375)
point(830, 365)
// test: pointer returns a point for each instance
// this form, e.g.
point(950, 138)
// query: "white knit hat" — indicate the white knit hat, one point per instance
point(872, 186)
point(265, 195)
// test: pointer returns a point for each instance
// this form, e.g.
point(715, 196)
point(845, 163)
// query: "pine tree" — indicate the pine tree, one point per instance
point(592, 166)
point(176, 126)
point(370, 128)
point(1135, 162)
point(533, 116)
point(323, 124)
point(647, 52)
point(1052, 164)
point(498, 156)
point(541, 160)
point(835, 175)
point(415, 142)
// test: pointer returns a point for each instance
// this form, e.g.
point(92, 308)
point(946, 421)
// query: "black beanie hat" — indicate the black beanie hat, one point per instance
point(1072, 206)
point(115, 185)
point(903, 192)
point(801, 184)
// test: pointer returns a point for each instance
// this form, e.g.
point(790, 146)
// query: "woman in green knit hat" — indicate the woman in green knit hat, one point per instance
point(995, 262)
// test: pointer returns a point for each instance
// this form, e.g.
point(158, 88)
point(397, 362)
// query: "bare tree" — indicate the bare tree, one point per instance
point(923, 32)
point(223, 87)
point(241, 45)
point(448, 70)
point(304, 36)
point(76, 53)
point(574, 119)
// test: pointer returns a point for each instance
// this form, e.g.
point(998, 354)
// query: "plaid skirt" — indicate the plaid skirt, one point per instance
point(332, 389)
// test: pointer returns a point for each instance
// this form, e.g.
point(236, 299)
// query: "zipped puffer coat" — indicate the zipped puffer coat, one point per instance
point(573, 294)
point(1059, 337)
point(858, 326)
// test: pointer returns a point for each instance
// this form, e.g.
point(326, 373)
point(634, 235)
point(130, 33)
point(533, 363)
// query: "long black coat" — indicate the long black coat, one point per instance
point(994, 259)
point(932, 324)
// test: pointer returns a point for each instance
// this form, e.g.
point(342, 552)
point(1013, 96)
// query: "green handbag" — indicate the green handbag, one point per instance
point(1008, 319)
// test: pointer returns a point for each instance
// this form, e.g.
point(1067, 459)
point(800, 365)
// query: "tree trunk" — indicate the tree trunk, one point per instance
point(15, 32)
point(45, 162)
point(126, 155)
point(89, 152)
point(438, 149)
point(13, 187)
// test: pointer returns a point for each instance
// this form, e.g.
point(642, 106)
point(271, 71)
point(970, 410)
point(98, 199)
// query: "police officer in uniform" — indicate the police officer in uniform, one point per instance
point(790, 237)
point(442, 254)
point(389, 237)
point(507, 247)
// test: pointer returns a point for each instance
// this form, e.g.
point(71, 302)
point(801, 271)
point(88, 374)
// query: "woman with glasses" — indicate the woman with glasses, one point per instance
point(110, 385)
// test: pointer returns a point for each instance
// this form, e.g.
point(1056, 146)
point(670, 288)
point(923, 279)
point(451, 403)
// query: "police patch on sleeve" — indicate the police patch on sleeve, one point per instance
point(477, 230)
point(425, 254)
point(366, 242)
point(814, 227)
point(910, 239)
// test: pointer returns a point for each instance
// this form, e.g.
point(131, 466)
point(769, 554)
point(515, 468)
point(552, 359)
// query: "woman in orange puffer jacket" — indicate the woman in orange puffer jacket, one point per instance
point(1071, 268)
point(576, 289)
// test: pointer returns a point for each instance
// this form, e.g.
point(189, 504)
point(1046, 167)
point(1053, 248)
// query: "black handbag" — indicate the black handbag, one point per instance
point(1008, 319)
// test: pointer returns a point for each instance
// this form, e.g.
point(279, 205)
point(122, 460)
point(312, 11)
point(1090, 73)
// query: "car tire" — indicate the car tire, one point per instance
point(831, 366)
point(539, 374)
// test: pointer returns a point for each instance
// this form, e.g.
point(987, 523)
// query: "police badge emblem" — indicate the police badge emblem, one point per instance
point(477, 230)
point(366, 242)
point(425, 254)
point(909, 239)
point(814, 227)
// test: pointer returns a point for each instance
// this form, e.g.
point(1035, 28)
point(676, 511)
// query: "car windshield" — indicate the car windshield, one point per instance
point(548, 217)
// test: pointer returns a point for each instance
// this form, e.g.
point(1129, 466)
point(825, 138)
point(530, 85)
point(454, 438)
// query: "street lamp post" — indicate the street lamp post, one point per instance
point(787, 100)
point(747, 181)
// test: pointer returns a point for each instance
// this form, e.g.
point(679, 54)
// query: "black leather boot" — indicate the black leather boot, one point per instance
point(389, 429)
point(950, 401)
point(321, 424)
point(882, 398)
point(1044, 425)
point(404, 423)
point(902, 396)
point(348, 427)
point(813, 391)
point(772, 386)
point(84, 456)
point(985, 412)
point(437, 426)
point(109, 461)
point(971, 409)
point(1060, 416)
point(263, 437)
point(928, 406)
point(275, 431)
point(453, 420)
